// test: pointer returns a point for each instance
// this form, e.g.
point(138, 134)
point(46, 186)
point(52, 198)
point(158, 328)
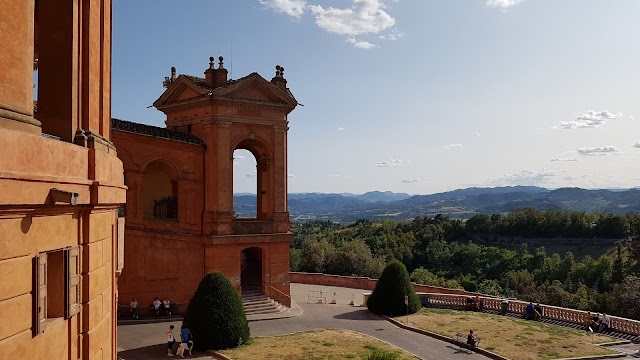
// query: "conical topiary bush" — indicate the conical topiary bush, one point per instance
point(388, 296)
point(215, 315)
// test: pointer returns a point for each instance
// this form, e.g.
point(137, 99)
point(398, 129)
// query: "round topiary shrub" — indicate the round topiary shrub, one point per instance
point(215, 315)
point(388, 296)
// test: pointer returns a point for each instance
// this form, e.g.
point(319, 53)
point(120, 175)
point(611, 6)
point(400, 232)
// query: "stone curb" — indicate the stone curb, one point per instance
point(612, 356)
point(216, 355)
point(149, 320)
point(484, 352)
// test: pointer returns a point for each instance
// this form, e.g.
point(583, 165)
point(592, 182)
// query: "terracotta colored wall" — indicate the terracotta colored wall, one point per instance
point(184, 160)
point(160, 264)
point(30, 166)
point(362, 283)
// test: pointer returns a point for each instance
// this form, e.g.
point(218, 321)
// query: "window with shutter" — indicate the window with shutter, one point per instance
point(72, 281)
point(40, 294)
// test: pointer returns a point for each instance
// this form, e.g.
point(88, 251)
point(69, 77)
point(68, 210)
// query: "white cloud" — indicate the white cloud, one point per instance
point(569, 178)
point(239, 157)
point(251, 174)
point(502, 4)
point(390, 163)
point(236, 163)
point(476, 134)
point(588, 119)
point(563, 159)
point(452, 146)
point(637, 144)
point(341, 129)
point(598, 150)
point(293, 8)
point(392, 36)
point(524, 177)
point(339, 177)
point(364, 17)
point(291, 175)
point(361, 44)
point(410, 181)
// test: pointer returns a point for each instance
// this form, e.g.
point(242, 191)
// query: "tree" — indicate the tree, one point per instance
point(388, 296)
point(215, 315)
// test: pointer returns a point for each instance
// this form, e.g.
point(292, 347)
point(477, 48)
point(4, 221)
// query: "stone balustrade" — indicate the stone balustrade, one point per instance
point(628, 326)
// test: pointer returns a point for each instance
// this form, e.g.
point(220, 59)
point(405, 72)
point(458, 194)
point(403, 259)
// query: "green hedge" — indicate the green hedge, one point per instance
point(215, 315)
point(388, 296)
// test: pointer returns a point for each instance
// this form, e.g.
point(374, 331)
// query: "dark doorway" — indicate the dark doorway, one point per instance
point(251, 269)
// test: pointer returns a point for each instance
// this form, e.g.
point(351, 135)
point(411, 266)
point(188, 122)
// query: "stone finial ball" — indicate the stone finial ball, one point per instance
point(210, 58)
point(220, 58)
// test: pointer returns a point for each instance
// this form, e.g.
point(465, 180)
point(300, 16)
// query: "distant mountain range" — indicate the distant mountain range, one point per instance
point(461, 203)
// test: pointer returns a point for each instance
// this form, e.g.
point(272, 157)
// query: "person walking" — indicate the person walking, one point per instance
point(186, 344)
point(171, 340)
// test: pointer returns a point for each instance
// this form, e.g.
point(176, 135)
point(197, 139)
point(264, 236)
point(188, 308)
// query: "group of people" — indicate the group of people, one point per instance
point(475, 304)
point(186, 341)
point(157, 306)
point(597, 323)
point(533, 312)
point(164, 305)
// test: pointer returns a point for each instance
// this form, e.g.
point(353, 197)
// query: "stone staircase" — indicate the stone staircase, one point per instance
point(257, 304)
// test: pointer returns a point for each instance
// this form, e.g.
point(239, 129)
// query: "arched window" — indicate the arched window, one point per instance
point(160, 188)
point(255, 177)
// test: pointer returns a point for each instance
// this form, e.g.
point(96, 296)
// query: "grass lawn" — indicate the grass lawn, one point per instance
point(509, 337)
point(316, 345)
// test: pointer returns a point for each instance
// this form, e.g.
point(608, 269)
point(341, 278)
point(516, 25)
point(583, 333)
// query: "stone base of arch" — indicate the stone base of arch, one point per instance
point(224, 254)
point(162, 263)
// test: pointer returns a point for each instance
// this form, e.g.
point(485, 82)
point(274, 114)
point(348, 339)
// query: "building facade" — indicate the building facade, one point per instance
point(180, 212)
point(61, 182)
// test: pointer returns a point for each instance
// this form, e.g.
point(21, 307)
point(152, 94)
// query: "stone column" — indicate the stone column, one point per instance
point(280, 178)
point(16, 64)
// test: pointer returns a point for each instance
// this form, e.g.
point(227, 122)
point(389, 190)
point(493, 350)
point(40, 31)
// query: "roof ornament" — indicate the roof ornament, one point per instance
point(212, 64)
point(221, 65)
point(168, 80)
point(279, 71)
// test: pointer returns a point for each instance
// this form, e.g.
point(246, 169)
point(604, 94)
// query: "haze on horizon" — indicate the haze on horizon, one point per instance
point(407, 96)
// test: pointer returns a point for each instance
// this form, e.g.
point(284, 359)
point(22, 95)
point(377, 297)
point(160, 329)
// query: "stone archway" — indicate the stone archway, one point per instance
point(251, 276)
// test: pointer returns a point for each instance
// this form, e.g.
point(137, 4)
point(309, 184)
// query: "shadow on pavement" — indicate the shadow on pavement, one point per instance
point(156, 352)
point(459, 350)
point(360, 314)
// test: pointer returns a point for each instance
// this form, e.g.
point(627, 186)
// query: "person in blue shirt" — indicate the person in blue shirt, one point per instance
point(530, 312)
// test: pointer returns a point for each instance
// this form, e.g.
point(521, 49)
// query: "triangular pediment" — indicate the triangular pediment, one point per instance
point(179, 90)
point(255, 88)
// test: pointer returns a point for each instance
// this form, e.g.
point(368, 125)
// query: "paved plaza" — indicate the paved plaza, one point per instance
point(147, 341)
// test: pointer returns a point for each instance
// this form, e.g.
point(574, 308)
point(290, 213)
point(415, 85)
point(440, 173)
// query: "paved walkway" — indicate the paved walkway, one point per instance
point(146, 341)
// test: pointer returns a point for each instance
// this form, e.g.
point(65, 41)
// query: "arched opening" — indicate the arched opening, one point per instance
point(245, 185)
point(251, 269)
point(160, 188)
point(260, 176)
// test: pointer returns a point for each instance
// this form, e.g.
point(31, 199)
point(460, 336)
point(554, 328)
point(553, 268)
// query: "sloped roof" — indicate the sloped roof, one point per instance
point(154, 131)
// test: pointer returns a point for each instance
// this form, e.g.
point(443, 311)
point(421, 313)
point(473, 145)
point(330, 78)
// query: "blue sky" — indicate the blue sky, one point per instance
point(416, 96)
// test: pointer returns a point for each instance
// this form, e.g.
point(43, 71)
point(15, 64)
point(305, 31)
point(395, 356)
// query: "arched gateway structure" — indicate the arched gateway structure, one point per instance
point(179, 211)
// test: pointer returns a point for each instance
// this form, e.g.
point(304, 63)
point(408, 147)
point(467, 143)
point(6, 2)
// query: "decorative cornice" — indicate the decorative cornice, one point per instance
point(18, 114)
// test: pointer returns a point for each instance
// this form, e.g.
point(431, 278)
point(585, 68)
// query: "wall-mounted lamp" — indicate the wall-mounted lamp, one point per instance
point(63, 196)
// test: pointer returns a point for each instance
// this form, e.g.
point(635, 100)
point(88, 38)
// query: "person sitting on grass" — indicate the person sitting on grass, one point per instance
point(471, 339)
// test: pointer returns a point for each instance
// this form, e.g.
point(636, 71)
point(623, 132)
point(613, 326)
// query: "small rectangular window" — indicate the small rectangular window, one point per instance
point(56, 290)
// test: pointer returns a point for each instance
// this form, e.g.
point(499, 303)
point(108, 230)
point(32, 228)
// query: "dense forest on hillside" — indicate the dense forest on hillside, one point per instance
point(440, 251)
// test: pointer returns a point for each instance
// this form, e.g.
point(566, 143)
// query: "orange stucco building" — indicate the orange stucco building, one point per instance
point(60, 182)
point(180, 222)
